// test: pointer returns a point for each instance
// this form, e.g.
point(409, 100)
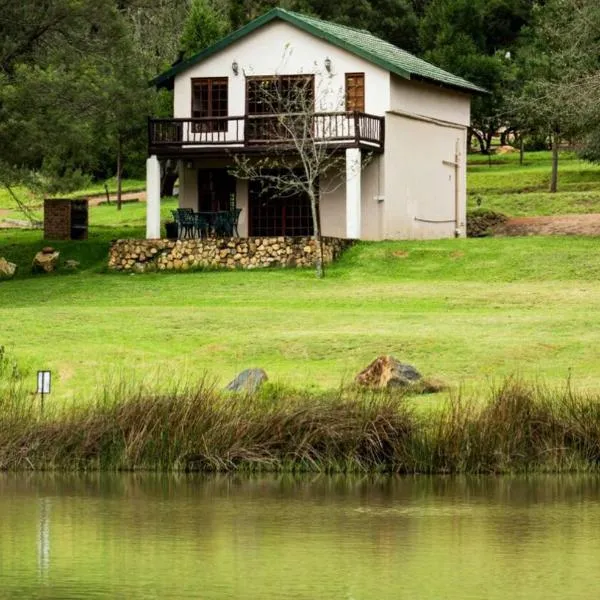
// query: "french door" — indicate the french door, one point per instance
point(273, 215)
point(216, 190)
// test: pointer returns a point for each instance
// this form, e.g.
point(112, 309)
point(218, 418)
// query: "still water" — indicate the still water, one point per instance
point(141, 536)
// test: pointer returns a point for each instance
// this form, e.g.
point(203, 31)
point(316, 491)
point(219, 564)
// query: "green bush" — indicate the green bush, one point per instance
point(482, 221)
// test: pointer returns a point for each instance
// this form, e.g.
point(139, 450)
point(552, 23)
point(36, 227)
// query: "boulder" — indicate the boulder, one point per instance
point(248, 381)
point(388, 372)
point(45, 261)
point(7, 269)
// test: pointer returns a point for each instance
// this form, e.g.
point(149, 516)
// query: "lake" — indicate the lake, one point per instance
point(149, 536)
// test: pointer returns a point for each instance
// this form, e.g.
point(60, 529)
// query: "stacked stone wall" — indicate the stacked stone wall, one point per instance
point(141, 256)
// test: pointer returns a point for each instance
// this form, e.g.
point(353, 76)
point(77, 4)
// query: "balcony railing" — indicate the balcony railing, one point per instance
point(340, 129)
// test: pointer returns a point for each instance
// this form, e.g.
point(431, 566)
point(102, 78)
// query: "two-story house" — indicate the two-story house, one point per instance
point(370, 97)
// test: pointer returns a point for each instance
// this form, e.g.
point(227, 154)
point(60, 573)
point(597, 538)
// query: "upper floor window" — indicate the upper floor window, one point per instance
point(280, 94)
point(355, 92)
point(210, 99)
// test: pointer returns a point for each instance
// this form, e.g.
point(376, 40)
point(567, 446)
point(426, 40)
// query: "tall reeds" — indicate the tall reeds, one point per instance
point(518, 428)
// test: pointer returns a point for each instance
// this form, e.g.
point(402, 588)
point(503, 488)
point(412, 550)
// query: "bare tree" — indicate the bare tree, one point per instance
point(303, 151)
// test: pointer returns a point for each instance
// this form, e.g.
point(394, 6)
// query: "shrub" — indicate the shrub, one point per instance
point(519, 429)
point(482, 221)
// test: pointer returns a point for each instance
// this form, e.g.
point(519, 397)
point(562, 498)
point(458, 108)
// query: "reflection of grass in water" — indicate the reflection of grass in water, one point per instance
point(415, 511)
point(519, 429)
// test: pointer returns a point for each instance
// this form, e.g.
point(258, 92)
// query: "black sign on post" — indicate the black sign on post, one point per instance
point(44, 379)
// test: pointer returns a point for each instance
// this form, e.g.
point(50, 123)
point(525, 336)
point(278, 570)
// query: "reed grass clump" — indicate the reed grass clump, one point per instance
point(517, 428)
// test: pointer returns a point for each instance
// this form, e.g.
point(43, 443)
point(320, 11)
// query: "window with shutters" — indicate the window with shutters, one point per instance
point(210, 99)
point(355, 92)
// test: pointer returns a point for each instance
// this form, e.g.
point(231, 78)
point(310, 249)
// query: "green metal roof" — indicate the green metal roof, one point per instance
point(357, 41)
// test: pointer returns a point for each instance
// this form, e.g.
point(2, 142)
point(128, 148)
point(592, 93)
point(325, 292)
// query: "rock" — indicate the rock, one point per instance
point(247, 381)
point(7, 269)
point(45, 261)
point(72, 264)
point(388, 372)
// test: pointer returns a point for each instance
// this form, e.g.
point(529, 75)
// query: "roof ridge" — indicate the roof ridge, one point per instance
point(360, 42)
point(300, 15)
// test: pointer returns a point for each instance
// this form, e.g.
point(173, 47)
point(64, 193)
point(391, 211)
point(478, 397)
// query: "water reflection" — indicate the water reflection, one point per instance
point(44, 537)
point(140, 536)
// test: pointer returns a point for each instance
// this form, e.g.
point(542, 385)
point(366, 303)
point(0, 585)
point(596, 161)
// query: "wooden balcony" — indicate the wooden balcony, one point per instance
point(256, 134)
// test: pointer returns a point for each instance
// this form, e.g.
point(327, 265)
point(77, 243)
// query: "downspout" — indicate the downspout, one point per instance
point(456, 165)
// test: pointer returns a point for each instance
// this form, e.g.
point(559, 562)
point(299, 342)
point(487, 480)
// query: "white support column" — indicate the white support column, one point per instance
point(152, 198)
point(353, 193)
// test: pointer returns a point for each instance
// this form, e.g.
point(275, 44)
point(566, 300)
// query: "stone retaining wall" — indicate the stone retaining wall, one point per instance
point(141, 256)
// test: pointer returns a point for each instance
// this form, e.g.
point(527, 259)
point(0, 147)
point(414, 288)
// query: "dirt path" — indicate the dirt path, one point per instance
point(95, 200)
point(553, 225)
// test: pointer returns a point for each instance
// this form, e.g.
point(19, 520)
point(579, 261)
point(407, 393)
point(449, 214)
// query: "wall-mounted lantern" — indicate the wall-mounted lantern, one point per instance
point(235, 67)
point(328, 64)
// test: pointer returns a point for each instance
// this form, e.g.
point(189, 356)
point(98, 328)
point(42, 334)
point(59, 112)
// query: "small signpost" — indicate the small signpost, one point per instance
point(43, 385)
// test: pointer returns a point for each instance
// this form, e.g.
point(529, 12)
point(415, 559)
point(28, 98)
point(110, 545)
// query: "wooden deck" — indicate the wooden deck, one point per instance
point(256, 134)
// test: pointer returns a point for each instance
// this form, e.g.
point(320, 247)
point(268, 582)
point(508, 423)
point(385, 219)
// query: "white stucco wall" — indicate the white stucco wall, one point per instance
point(422, 137)
point(279, 48)
point(430, 100)
point(420, 187)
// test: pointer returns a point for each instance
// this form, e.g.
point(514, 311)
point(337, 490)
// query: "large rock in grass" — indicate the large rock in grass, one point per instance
point(7, 269)
point(45, 261)
point(248, 381)
point(387, 372)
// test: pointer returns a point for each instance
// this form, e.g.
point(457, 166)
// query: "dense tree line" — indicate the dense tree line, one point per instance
point(74, 74)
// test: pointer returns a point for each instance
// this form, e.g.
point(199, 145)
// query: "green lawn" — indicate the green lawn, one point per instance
point(464, 311)
point(522, 190)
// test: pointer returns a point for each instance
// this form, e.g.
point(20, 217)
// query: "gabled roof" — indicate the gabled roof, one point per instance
point(356, 41)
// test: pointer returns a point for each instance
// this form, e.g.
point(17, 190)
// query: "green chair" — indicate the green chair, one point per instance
point(186, 222)
point(202, 225)
point(223, 224)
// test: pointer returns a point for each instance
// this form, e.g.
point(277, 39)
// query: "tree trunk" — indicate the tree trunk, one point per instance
point(480, 140)
point(521, 150)
point(119, 173)
point(316, 218)
point(489, 136)
point(555, 146)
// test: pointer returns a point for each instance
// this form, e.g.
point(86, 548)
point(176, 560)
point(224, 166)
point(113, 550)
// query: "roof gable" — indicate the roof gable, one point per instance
point(356, 41)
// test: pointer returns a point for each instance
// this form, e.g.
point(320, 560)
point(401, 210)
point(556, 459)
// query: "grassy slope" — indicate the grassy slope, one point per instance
point(96, 189)
point(518, 190)
point(463, 311)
